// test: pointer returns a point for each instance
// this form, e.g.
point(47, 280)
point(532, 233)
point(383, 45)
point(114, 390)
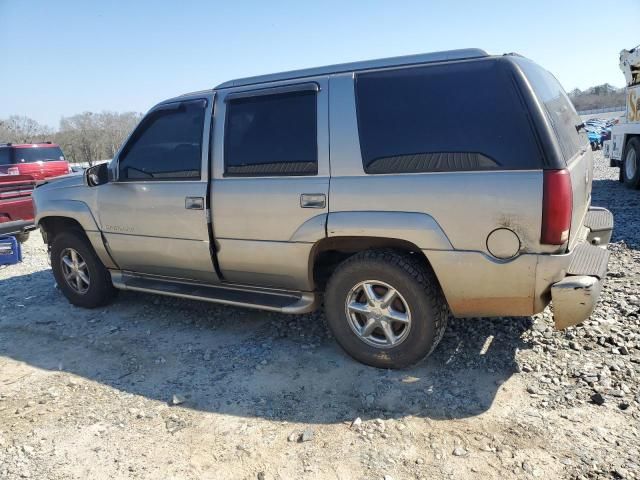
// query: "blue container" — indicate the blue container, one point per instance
point(10, 251)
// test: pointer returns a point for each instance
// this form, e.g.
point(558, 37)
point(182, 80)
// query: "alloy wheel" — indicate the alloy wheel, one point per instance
point(75, 270)
point(378, 314)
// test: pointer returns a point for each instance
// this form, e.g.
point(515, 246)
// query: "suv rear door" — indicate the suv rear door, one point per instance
point(271, 181)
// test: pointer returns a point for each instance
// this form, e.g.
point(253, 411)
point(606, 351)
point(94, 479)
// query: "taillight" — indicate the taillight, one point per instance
point(13, 171)
point(557, 205)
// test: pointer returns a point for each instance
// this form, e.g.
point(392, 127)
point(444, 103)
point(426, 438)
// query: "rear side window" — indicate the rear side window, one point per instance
point(271, 135)
point(453, 117)
point(559, 109)
point(37, 154)
point(167, 144)
point(5, 156)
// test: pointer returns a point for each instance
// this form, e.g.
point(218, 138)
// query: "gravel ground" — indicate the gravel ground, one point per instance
point(154, 387)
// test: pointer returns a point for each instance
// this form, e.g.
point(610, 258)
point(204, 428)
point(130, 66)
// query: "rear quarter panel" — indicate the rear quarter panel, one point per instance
point(464, 206)
point(467, 206)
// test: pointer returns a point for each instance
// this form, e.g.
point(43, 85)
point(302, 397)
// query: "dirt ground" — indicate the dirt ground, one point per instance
point(154, 387)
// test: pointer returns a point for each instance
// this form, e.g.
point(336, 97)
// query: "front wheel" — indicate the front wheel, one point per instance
point(385, 308)
point(78, 271)
point(631, 164)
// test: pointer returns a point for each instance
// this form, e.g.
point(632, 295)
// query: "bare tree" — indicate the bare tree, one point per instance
point(600, 96)
point(89, 137)
point(21, 129)
point(85, 137)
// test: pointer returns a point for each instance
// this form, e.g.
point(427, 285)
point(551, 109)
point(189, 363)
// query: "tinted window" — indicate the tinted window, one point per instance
point(271, 135)
point(458, 116)
point(37, 154)
point(558, 107)
point(5, 156)
point(167, 144)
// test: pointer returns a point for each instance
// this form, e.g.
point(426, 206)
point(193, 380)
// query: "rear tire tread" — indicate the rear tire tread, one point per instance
point(420, 274)
point(633, 183)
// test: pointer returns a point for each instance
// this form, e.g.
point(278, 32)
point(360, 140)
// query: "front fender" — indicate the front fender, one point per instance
point(81, 213)
point(73, 209)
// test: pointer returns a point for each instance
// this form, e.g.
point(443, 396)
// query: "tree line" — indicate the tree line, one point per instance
point(85, 137)
point(600, 96)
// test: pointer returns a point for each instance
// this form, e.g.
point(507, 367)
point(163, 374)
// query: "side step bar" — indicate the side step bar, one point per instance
point(282, 301)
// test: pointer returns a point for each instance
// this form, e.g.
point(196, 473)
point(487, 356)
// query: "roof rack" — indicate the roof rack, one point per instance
point(450, 55)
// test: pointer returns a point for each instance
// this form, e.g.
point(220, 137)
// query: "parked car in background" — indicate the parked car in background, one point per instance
point(16, 205)
point(286, 191)
point(39, 160)
point(594, 139)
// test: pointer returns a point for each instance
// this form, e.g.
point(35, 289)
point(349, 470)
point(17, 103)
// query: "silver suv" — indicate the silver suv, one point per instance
point(399, 191)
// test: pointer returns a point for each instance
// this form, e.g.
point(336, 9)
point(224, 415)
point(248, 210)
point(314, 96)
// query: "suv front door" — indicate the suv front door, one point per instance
point(154, 215)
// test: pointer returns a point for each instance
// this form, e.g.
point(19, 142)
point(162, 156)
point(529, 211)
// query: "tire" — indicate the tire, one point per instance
point(419, 300)
point(99, 290)
point(22, 237)
point(631, 174)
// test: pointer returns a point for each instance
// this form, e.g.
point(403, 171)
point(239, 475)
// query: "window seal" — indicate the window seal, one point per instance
point(261, 92)
point(265, 92)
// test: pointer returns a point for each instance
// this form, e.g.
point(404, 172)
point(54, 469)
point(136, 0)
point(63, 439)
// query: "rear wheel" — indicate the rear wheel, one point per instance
point(385, 308)
point(80, 274)
point(631, 164)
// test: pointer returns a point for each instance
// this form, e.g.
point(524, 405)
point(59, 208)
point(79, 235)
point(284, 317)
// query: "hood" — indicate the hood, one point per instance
point(64, 181)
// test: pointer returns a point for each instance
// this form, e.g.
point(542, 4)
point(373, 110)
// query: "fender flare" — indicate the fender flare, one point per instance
point(420, 229)
point(73, 209)
point(81, 213)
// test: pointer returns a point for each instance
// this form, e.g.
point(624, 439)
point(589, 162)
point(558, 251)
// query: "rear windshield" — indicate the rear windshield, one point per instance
point(36, 154)
point(450, 117)
point(5, 156)
point(558, 107)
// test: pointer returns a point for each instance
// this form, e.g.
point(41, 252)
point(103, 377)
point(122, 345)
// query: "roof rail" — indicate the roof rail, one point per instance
point(450, 55)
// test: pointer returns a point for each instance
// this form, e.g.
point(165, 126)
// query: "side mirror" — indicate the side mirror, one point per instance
point(97, 175)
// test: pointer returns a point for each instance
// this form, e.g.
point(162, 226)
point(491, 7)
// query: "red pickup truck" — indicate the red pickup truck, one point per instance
point(16, 205)
point(40, 160)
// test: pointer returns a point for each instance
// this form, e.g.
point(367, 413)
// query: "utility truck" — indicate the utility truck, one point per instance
point(623, 150)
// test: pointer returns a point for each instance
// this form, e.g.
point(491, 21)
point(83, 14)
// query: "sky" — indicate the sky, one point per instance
point(62, 57)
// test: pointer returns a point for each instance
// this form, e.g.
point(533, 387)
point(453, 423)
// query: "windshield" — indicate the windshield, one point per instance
point(36, 154)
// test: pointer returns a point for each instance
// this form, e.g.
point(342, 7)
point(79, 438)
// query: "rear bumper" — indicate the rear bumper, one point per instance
point(575, 296)
point(574, 299)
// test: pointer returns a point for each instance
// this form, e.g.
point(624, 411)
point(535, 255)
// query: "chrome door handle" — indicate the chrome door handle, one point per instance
point(313, 200)
point(194, 203)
